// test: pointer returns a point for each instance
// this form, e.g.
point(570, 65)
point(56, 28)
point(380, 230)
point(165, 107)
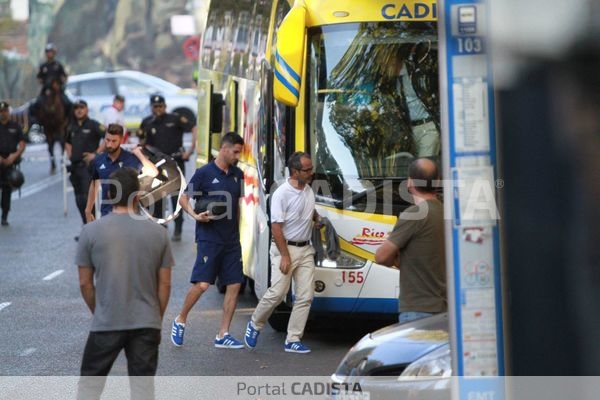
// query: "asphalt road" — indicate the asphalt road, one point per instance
point(44, 322)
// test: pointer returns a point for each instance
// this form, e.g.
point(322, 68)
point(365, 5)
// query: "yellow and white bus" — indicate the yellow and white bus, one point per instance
point(355, 84)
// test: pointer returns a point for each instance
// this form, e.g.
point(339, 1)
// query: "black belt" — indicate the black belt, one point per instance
point(416, 122)
point(298, 244)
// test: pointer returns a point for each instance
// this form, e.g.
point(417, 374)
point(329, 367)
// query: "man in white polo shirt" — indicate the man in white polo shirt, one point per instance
point(292, 255)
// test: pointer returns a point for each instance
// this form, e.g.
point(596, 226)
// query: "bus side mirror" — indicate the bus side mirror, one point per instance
point(289, 57)
point(216, 112)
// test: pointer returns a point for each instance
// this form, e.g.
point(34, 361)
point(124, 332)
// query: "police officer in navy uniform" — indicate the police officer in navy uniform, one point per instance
point(51, 68)
point(12, 146)
point(83, 141)
point(164, 131)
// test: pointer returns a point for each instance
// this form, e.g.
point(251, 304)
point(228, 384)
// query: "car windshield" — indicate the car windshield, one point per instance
point(373, 89)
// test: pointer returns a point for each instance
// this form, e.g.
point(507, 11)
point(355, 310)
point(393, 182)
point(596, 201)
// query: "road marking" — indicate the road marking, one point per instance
point(53, 275)
point(36, 187)
point(28, 352)
point(4, 305)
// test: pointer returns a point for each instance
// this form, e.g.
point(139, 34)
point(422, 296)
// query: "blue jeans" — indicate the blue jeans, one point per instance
point(407, 316)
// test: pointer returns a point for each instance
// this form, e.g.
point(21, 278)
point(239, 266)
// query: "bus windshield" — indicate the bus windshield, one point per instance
point(373, 103)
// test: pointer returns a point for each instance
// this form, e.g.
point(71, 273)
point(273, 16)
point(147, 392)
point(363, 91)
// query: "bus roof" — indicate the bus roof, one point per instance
point(323, 12)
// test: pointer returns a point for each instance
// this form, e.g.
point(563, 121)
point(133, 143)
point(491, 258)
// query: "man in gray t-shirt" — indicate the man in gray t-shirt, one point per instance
point(124, 265)
point(416, 245)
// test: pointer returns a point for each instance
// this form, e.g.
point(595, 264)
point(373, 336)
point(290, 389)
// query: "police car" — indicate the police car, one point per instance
point(99, 88)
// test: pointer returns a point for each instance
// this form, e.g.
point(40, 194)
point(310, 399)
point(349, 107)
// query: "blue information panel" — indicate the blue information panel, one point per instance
point(475, 286)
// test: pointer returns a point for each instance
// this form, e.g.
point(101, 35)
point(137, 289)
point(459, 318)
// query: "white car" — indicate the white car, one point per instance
point(99, 88)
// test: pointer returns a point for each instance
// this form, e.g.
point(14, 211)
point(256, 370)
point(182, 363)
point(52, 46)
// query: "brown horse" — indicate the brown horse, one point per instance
point(52, 110)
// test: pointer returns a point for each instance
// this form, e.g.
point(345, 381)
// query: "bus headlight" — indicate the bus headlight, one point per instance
point(344, 261)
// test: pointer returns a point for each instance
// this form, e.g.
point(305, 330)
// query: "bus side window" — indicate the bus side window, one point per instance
point(216, 112)
point(265, 127)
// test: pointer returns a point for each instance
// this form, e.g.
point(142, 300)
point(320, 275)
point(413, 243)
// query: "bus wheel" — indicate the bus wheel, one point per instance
point(280, 318)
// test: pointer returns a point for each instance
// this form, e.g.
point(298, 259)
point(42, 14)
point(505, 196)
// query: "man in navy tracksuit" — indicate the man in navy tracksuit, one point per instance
point(219, 252)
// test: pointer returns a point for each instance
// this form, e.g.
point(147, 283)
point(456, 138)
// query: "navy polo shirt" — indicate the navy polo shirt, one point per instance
point(212, 181)
point(103, 166)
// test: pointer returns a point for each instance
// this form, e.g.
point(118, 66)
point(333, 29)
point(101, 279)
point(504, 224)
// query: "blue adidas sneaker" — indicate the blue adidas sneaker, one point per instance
point(177, 330)
point(296, 347)
point(228, 342)
point(251, 336)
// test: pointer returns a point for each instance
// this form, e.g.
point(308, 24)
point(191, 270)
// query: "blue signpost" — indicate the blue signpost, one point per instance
point(472, 228)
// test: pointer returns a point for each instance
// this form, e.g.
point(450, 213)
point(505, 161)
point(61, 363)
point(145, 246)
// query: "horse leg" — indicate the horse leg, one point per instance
point(62, 144)
point(51, 142)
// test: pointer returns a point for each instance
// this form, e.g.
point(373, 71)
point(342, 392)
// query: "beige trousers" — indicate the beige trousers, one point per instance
point(303, 273)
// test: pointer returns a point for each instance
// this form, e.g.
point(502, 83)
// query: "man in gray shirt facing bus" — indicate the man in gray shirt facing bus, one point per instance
point(124, 265)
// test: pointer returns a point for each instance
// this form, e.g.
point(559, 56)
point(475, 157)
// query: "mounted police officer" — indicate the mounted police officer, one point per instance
point(12, 146)
point(52, 109)
point(51, 68)
point(164, 131)
point(83, 141)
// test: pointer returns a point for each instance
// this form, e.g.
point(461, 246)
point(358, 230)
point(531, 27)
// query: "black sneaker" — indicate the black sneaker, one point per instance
point(5, 222)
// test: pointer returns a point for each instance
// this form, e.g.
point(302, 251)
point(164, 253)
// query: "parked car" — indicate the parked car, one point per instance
point(410, 360)
point(99, 88)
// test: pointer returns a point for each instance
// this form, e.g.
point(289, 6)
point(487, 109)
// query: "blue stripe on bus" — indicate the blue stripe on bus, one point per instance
point(287, 84)
point(287, 68)
point(344, 304)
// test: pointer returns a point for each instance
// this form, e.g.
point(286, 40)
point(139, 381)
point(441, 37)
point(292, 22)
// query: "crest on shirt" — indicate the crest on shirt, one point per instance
point(153, 131)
